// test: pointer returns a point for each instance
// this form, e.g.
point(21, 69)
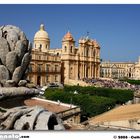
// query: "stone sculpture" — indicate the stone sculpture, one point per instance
point(15, 55)
point(30, 118)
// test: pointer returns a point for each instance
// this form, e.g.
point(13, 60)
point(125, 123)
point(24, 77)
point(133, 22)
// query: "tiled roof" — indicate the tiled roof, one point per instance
point(49, 106)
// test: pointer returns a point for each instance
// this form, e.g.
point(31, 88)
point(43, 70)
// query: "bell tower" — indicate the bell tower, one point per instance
point(68, 44)
point(68, 49)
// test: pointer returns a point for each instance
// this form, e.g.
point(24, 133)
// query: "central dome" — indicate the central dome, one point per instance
point(41, 34)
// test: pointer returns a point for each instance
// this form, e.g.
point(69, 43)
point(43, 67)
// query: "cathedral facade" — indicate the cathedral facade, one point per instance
point(64, 64)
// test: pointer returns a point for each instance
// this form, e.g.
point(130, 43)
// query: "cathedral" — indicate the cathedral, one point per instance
point(65, 64)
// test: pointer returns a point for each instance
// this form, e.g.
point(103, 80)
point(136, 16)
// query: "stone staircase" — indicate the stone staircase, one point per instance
point(77, 82)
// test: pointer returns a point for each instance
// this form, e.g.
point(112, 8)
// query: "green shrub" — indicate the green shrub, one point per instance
point(92, 101)
point(90, 105)
point(121, 96)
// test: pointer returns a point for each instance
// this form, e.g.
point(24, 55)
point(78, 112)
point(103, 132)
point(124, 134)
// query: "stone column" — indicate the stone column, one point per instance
point(95, 71)
point(67, 74)
point(80, 70)
point(35, 79)
point(98, 71)
point(90, 70)
point(43, 80)
point(51, 78)
point(58, 78)
point(103, 72)
point(76, 71)
point(83, 71)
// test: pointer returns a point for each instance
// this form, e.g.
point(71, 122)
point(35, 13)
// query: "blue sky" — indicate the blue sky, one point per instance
point(115, 27)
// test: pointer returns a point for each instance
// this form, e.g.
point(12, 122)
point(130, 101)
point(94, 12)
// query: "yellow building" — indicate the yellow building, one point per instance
point(65, 64)
point(120, 70)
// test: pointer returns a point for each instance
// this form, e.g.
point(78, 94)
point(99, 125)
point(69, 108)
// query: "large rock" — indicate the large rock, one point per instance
point(11, 61)
point(4, 49)
point(4, 73)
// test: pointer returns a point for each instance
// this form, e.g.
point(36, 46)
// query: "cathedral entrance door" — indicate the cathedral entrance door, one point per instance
point(38, 80)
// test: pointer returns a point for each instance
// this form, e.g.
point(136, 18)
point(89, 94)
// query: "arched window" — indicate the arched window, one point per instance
point(71, 72)
point(46, 46)
point(71, 49)
point(65, 48)
point(56, 68)
point(56, 78)
point(87, 51)
point(40, 47)
point(47, 78)
point(47, 67)
point(35, 45)
point(39, 68)
point(93, 53)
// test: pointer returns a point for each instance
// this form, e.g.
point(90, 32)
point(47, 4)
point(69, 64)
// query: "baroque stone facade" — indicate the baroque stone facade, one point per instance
point(120, 70)
point(64, 64)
